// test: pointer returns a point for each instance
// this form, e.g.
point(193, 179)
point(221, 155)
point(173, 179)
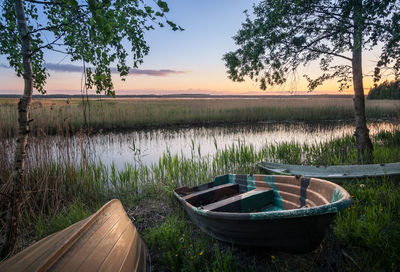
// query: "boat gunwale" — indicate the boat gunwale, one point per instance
point(280, 171)
point(333, 207)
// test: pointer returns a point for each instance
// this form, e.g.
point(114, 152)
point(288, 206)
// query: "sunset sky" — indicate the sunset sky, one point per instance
point(180, 62)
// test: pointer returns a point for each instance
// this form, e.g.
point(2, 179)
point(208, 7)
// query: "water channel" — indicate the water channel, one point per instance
point(148, 146)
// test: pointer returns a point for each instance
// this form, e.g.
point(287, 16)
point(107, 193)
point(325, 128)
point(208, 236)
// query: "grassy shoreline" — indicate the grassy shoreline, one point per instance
point(363, 237)
point(53, 116)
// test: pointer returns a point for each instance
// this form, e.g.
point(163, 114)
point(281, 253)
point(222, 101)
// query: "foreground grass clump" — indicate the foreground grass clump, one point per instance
point(180, 248)
point(370, 229)
point(66, 115)
point(365, 236)
point(68, 216)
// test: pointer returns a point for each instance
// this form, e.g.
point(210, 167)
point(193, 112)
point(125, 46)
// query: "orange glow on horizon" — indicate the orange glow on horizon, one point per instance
point(195, 82)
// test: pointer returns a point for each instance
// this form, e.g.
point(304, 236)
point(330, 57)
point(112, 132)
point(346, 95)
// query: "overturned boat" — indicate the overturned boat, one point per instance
point(284, 213)
point(105, 241)
point(334, 172)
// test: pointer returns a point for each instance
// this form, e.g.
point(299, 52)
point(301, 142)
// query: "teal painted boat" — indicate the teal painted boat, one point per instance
point(284, 213)
point(334, 172)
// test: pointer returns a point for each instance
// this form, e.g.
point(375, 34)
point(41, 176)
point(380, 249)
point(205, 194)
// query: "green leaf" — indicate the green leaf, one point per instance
point(163, 5)
point(98, 33)
point(148, 9)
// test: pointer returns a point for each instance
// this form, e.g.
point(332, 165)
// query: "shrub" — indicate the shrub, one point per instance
point(386, 90)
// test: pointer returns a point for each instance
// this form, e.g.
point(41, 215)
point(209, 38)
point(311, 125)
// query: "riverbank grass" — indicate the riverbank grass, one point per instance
point(180, 247)
point(370, 229)
point(364, 237)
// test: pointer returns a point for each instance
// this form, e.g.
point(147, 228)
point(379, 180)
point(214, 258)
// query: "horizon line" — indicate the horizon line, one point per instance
point(183, 95)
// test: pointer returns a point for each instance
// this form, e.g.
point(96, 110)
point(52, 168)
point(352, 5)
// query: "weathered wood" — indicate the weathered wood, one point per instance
point(212, 194)
point(105, 241)
point(245, 202)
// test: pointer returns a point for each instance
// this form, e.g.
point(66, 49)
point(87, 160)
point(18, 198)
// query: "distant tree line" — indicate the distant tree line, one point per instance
point(386, 90)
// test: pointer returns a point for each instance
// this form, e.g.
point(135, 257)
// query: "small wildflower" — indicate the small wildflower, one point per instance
point(272, 257)
point(176, 255)
point(201, 253)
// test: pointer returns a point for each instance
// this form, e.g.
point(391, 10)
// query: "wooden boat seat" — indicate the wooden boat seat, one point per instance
point(212, 194)
point(246, 202)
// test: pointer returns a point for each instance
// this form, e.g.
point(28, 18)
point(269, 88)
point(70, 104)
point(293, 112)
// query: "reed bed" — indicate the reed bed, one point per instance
point(54, 115)
point(60, 192)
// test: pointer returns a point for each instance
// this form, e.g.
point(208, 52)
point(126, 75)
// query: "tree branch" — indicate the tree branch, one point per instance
point(330, 53)
point(310, 44)
point(48, 28)
point(52, 3)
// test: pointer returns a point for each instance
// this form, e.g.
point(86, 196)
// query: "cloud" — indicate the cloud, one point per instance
point(163, 72)
point(70, 68)
point(148, 72)
point(63, 67)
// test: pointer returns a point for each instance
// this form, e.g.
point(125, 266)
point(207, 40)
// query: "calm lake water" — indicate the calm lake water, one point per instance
point(148, 146)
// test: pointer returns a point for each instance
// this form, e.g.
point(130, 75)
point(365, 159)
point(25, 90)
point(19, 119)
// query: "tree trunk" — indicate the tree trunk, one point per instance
point(9, 234)
point(364, 144)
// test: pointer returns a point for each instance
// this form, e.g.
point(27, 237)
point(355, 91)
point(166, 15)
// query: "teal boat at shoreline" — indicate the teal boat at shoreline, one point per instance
point(334, 172)
point(284, 213)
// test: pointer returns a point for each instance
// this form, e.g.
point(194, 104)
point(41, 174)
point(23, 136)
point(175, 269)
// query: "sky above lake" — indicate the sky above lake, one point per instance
point(181, 62)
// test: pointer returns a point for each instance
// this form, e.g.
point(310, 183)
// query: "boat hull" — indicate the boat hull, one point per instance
point(336, 173)
point(292, 235)
point(105, 241)
point(289, 214)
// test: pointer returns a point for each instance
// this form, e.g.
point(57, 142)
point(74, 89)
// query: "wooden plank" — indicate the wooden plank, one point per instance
point(213, 194)
point(245, 202)
point(103, 241)
point(34, 260)
point(82, 249)
point(136, 260)
point(119, 251)
point(100, 253)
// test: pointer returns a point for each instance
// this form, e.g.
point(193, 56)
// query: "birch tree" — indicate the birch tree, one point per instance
point(95, 33)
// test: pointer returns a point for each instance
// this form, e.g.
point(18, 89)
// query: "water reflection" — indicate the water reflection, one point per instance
point(148, 146)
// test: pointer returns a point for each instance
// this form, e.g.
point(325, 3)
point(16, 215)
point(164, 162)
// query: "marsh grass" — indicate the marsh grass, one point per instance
point(53, 116)
point(58, 194)
point(180, 247)
point(68, 215)
point(370, 229)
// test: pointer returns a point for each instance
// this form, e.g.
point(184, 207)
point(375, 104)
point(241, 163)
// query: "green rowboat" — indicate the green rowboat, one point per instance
point(334, 172)
point(284, 213)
